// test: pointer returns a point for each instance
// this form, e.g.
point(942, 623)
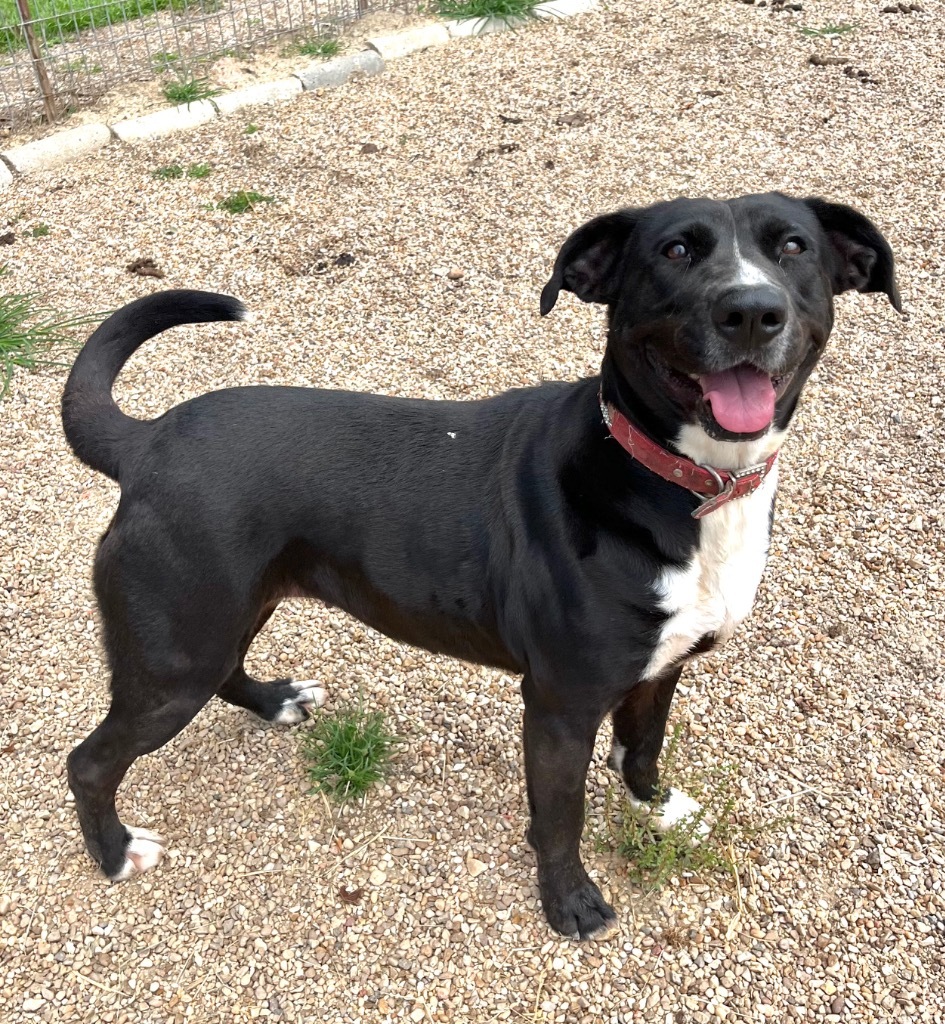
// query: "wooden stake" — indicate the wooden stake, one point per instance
point(39, 67)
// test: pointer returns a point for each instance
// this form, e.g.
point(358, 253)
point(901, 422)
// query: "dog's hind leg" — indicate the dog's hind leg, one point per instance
point(558, 747)
point(172, 630)
point(145, 713)
point(283, 701)
point(639, 727)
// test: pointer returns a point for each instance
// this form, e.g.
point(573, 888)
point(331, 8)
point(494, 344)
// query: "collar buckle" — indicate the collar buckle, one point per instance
point(740, 482)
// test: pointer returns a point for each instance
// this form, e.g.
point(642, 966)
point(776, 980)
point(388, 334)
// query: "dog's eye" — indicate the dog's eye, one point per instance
point(793, 247)
point(676, 251)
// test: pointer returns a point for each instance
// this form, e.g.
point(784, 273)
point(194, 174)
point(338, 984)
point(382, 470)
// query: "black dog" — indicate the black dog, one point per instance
point(591, 536)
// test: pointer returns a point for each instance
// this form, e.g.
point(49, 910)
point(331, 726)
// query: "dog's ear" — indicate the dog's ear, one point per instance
point(588, 262)
point(862, 258)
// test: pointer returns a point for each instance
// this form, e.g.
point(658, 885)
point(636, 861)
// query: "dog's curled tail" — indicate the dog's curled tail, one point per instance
point(96, 429)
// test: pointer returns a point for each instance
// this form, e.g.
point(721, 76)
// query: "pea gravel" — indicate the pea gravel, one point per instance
point(451, 180)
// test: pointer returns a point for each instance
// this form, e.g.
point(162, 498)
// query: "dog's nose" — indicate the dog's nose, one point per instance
point(750, 316)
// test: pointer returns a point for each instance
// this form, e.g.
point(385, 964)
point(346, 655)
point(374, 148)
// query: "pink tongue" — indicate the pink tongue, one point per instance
point(742, 399)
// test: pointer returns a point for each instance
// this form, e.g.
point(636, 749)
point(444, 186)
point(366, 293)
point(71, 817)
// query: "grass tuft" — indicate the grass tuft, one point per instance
point(655, 857)
point(30, 333)
point(242, 201)
point(505, 10)
point(189, 90)
point(319, 46)
point(169, 172)
point(163, 60)
point(346, 753)
point(173, 171)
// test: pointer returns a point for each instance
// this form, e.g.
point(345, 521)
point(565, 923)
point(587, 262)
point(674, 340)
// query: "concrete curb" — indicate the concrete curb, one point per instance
point(165, 122)
point(73, 143)
point(327, 74)
point(410, 41)
point(58, 149)
point(265, 92)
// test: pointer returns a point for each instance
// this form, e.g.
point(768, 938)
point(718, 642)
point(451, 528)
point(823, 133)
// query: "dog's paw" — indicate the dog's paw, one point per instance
point(583, 914)
point(302, 695)
point(677, 809)
point(145, 850)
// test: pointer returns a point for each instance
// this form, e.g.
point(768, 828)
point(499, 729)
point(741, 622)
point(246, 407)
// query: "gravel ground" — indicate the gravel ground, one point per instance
point(828, 703)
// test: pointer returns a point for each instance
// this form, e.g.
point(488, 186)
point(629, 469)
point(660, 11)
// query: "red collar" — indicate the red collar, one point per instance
point(720, 485)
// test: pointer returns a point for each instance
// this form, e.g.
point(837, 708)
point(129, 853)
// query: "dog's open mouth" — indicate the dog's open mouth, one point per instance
point(737, 402)
point(741, 399)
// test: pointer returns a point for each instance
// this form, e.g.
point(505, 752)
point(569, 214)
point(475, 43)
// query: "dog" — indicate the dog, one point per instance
point(589, 536)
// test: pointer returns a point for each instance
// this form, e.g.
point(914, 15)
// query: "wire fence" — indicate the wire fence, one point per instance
point(59, 55)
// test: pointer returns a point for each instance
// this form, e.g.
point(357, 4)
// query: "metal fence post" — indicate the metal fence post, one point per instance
point(39, 67)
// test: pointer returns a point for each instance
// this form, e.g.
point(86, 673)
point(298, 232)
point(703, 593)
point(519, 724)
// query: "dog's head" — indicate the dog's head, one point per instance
point(719, 311)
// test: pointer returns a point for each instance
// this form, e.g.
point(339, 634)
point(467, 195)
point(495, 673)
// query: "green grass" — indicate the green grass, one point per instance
point(825, 31)
point(251, 129)
point(172, 172)
point(347, 752)
point(319, 46)
point(242, 201)
point(506, 10)
point(189, 90)
point(163, 60)
point(79, 65)
point(60, 21)
point(40, 231)
point(655, 857)
point(30, 333)
point(169, 172)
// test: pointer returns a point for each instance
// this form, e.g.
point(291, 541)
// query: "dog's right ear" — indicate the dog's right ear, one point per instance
point(589, 260)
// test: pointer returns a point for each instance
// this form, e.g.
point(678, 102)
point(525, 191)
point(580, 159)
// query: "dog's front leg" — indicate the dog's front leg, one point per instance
point(639, 728)
point(558, 746)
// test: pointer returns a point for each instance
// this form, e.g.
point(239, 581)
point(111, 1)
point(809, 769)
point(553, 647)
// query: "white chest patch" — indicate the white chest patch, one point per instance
point(716, 589)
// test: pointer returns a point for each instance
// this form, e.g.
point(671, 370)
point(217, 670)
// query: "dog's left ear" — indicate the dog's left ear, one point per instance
point(863, 259)
point(589, 260)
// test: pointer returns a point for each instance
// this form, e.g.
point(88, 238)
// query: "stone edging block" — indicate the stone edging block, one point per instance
point(58, 149)
point(264, 92)
point(164, 122)
point(413, 39)
point(326, 74)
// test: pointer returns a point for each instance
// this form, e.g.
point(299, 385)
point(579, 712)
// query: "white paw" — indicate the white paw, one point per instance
point(307, 694)
point(677, 809)
point(146, 850)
